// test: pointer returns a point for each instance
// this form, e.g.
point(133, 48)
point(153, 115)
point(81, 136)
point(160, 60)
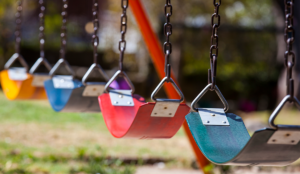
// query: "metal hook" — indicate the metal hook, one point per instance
point(119, 74)
point(280, 106)
point(90, 70)
point(204, 91)
point(167, 80)
point(58, 64)
point(38, 63)
point(13, 59)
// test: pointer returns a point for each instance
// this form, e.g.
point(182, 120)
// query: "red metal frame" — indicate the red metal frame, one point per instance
point(157, 56)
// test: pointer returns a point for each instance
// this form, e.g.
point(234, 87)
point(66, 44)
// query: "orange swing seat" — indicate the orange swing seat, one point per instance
point(17, 83)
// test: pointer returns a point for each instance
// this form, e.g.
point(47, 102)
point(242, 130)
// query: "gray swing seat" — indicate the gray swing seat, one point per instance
point(224, 140)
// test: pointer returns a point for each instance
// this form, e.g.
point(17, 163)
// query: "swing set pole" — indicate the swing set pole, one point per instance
point(158, 59)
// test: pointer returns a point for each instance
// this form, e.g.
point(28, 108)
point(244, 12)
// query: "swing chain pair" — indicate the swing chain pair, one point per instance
point(95, 38)
point(18, 21)
point(17, 55)
point(214, 48)
point(123, 30)
point(213, 55)
point(289, 37)
point(42, 28)
point(168, 29)
point(63, 34)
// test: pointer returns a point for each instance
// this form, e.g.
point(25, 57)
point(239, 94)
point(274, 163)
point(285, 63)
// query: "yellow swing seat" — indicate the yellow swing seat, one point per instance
point(20, 86)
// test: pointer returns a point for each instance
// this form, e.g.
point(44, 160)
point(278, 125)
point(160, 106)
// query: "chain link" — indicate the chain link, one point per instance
point(42, 28)
point(289, 35)
point(214, 48)
point(168, 29)
point(123, 30)
point(63, 34)
point(95, 38)
point(18, 21)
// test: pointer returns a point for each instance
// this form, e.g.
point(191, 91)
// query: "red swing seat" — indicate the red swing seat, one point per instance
point(139, 120)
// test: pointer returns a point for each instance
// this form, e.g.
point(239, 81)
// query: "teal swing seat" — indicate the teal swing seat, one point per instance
point(223, 137)
point(231, 144)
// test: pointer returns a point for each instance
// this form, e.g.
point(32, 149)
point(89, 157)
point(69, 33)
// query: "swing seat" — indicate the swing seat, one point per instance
point(17, 83)
point(224, 140)
point(65, 94)
point(129, 116)
point(19, 87)
point(232, 145)
point(136, 121)
point(71, 96)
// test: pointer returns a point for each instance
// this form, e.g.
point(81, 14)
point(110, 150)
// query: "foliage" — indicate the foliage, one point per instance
point(247, 42)
point(252, 13)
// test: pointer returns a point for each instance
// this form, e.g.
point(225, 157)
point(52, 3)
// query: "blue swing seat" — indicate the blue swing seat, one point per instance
point(70, 99)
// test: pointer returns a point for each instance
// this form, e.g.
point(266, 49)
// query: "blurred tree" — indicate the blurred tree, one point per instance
point(5, 35)
point(247, 53)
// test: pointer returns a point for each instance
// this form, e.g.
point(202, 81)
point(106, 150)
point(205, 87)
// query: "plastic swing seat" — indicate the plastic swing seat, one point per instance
point(127, 115)
point(67, 94)
point(17, 83)
point(224, 139)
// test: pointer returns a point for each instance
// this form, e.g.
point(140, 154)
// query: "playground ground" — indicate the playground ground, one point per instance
point(36, 140)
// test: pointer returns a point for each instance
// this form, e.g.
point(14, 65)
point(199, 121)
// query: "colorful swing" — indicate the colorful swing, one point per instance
point(127, 115)
point(223, 137)
point(16, 82)
point(67, 94)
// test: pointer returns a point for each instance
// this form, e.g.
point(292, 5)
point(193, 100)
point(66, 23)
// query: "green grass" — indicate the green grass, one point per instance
point(35, 139)
point(41, 112)
point(17, 158)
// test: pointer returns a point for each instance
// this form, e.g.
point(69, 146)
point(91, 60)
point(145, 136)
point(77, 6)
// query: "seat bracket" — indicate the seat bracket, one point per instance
point(39, 79)
point(285, 137)
point(213, 117)
point(165, 109)
point(121, 97)
point(63, 82)
point(18, 74)
point(93, 90)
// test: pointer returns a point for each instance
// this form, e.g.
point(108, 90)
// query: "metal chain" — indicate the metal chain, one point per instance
point(42, 28)
point(123, 30)
point(18, 26)
point(63, 34)
point(214, 48)
point(289, 35)
point(168, 29)
point(95, 38)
